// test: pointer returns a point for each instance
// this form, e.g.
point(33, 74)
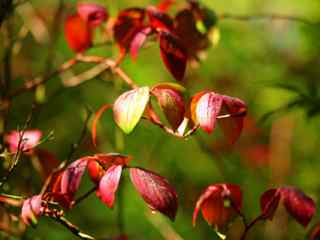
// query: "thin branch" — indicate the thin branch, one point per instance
point(72, 228)
point(84, 196)
point(249, 226)
point(230, 16)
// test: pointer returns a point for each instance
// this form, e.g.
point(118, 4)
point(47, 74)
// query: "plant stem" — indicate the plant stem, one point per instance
point(249, 226)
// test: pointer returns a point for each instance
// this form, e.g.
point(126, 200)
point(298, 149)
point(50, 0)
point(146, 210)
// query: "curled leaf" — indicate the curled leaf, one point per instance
point(77, 33)
point(159, 20)
point(156, 191)
point(299, 206)
point(91, 13)
point(173, 54)
point(129, 107)
point(31, 210)
point(109, 184)
point(232, 126)
point(137, 42)
point(128, 23)
point(171, 101)
point(219, 203)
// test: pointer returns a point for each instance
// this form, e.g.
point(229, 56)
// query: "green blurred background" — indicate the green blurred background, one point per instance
point(266, 63)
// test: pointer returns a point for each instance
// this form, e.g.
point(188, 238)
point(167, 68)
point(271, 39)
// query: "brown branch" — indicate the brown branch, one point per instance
point(84, 196)
point(230, 16)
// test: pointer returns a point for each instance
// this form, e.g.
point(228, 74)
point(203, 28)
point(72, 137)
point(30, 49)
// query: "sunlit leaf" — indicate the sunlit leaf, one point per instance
point(137, 42)
point(129, 107)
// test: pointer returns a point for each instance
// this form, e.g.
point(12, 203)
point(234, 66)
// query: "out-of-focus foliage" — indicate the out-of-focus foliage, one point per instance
point(270, 64)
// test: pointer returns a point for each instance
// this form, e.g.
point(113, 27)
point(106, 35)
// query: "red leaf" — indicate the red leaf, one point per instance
point(95, 121)
point(48, 162)
point(108, 159)
point(300, 206)
point(128, 23)
point(109, 184)
point(71, 177)
point(207, 110)
point(164, 5)
point(137, 42)
point(186, 29)
point(171, 101)
point(77, 33)
point(31, 210)
point(219, 204)
point(156, 191)
point(269, 202)
point(95, 170)
point(173, 54)
point(30, 139)
point(232, 126)
point(129, 108)
point(91, 13)
point(159, 20)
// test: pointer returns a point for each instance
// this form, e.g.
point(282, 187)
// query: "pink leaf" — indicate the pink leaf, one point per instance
point(207, 109)
point(91, 13)
point(109, 184)
point(173, 54)
point(31, 210)
point(156, 191)
point(219, 204)
point(71, 177)
point(30, 139)
point(138, 41)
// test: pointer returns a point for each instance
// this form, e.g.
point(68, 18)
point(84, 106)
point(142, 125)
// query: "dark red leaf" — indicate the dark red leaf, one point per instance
point(109, 184)
point(186, 29)
point(207, 110)
point(137, 42)
point(232, 126)
point(300, 206)
point(128, 23)
point(108, 159)
point(269, 202)
point(48, 162)
point(91, 13)
point(156, 191)
point(31, 210)
point(71, 177)
point(159, 20)
point(219, 204)
point(171, 101)
point(173, 54)
point(77, 33)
